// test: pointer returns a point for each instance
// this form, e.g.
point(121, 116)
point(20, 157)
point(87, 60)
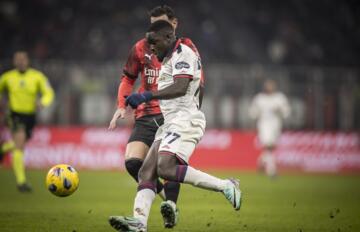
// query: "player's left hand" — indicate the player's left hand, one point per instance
point(135, 99)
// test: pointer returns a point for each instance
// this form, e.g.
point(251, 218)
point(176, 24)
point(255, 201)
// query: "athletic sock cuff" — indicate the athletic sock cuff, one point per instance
point(147, 185)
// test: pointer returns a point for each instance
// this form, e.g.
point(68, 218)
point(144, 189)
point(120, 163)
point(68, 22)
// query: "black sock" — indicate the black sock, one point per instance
point(172, 190)
point(133, 166)
point(159, 186)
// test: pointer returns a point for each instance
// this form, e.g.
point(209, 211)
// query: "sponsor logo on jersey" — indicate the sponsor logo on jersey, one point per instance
point(181, 65)
point(151, 75)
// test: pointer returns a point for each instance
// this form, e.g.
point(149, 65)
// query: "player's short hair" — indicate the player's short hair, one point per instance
point(162, 10)
point(161, 25)
point(21, 52)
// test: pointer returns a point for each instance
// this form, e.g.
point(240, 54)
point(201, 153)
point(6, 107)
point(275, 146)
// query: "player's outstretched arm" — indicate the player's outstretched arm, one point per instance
point(125, 89)
point(175, 90)
point(178, 89)
point(119, 113)
point(47, 92)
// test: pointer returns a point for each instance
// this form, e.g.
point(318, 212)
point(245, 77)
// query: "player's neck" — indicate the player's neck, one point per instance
point(170, 49)
point(22, 71)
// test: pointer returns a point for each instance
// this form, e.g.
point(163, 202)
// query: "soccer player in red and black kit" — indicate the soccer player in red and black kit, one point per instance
point(148, 116)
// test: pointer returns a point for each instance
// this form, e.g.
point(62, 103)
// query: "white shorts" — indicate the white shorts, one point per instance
point(180, 138)
point(268, 134)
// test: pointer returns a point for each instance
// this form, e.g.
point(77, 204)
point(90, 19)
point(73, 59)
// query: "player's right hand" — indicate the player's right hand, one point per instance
point(119, 113)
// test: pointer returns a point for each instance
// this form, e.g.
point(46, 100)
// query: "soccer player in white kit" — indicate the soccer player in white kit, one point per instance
point(269, 109)
point(175, 141)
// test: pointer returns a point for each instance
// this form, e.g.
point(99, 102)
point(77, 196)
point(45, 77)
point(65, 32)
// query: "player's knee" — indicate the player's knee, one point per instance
point(133, 166)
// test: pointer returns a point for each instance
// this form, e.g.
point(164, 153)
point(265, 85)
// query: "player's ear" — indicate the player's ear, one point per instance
point(174, 23)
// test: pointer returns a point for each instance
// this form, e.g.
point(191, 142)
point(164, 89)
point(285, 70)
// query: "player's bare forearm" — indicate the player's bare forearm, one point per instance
point(175, 90)
point(125, 89)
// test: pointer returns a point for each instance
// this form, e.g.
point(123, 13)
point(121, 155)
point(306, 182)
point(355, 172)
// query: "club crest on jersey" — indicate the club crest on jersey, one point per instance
point(181, 65)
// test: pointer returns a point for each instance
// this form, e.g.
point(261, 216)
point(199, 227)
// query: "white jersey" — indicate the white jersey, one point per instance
point(183, 63)
point(184, 123)
point(269, 110)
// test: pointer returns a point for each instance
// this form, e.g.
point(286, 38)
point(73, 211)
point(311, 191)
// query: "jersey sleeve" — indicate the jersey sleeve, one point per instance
point(133, 64)
point(193, 47)
point(184, 64)
point(47, 92)
point(190, 44)
point(125, 89)
point(2, 84)
point(131, 71)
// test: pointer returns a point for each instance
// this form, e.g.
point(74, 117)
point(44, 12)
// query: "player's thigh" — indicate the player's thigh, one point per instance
point(142, 136)
point(30, 122)
point(166, 165)
point(136, 149)
point(18, 124)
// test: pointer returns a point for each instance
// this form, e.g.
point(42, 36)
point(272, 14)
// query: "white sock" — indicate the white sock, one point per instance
point(270, 165)
point(143, 201)
point(204, 180)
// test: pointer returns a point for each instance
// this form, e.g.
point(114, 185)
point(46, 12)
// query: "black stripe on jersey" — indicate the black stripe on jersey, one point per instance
point(129, 75)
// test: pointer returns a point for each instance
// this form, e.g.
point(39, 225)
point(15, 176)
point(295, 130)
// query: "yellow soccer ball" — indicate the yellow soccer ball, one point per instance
point(62, 180)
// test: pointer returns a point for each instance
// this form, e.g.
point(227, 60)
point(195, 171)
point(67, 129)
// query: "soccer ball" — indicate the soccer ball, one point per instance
point(62, 180)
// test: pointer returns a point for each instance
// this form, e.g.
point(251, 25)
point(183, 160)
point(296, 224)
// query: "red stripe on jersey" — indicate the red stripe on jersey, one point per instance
point(183, 76)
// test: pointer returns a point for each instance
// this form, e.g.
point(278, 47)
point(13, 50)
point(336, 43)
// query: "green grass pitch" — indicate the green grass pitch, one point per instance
point(298, 203)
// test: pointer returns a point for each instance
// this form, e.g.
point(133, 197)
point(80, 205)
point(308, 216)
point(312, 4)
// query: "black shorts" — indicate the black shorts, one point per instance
point(17, 120)
point(145, 129)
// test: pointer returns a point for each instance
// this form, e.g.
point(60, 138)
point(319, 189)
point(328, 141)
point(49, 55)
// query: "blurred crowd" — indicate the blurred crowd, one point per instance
point(261, 31)
point(311, 48)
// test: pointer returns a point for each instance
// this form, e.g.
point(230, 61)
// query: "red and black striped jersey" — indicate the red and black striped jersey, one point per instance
point(142, 62)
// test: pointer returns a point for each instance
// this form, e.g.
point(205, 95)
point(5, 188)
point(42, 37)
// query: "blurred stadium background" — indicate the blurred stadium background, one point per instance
point(312, 49)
